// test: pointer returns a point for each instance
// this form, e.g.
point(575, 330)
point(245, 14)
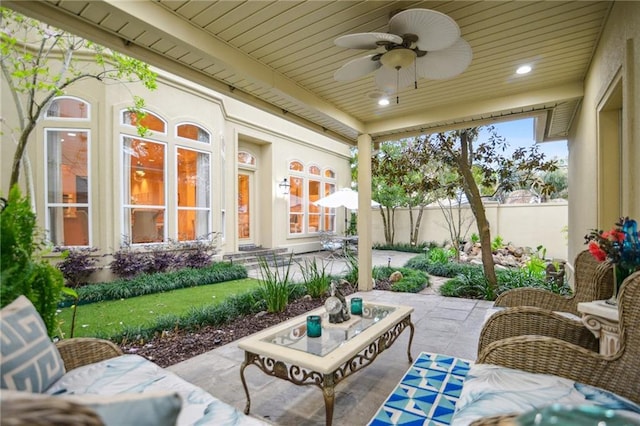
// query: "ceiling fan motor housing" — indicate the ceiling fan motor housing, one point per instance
point(398, 58)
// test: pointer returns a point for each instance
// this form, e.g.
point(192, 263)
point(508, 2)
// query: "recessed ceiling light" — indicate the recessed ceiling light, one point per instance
point(383, 101)
point(524, 69)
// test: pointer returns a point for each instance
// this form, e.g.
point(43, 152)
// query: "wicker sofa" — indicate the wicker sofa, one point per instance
point(86, 381)
point(544, 355)
point(522, 375)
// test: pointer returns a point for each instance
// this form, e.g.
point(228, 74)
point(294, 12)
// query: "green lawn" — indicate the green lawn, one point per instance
point(108, 318)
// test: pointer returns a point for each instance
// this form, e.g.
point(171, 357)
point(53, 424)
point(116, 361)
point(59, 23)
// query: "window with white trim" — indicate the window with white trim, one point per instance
point(67, 176)
point(193, 191)
point(144, 182)
point(308, 186)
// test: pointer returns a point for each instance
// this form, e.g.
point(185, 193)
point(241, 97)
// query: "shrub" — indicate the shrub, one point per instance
point(77, 265)
point(497, 243)
point(198, 254)
point(352, 269)
point(160, 282)
point(448, 269)
point(407, 248)
point(275, 285)
point(127, 263)
point(412, 280)
point(315, 277)
point(470, 284)
point(22, 269)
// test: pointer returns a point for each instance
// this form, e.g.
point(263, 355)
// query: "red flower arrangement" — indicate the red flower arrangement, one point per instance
point(619, 245)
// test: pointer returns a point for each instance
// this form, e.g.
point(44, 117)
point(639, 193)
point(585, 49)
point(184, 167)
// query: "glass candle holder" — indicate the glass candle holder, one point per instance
point(314, 326)
point(356, 306)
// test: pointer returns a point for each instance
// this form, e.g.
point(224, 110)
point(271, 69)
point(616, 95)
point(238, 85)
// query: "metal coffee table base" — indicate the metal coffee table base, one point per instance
point(327, 382)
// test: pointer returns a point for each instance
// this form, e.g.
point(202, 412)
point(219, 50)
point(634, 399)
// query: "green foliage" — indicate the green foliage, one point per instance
point(112, 317)
point(439, 266)
point(159, 282)
point(469, 283)
point(475, 238)
point(245, 303)
point(22, 269)
point(440, 255)
point(275, 284)
point(315, 277)
point(406, 248)
point(497, 243)
point(352, 269)
point(536, 265)
point(413, 281)
point(41, 62)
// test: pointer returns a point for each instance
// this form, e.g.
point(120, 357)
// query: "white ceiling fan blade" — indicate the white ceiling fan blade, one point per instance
point(447, 63)
point(390, 80)
point(435, 30)
point(366, 40)
point(356, 68)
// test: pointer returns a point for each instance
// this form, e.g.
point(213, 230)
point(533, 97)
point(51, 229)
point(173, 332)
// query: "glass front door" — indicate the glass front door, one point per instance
point(244, 207)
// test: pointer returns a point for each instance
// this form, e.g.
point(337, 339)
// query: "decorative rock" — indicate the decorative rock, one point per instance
point(395, 277)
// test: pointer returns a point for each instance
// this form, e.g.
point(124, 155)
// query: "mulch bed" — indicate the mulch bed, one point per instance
point(175, 346)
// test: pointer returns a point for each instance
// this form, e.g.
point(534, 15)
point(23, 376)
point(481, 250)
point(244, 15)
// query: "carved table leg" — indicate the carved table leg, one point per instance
point(408, 319)
point(248, 359)
point(328, 391)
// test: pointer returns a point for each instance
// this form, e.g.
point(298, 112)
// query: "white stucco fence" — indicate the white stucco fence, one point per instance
point(526, 225)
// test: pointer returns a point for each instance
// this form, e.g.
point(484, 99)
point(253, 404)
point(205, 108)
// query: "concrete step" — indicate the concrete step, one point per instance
point(251, 258)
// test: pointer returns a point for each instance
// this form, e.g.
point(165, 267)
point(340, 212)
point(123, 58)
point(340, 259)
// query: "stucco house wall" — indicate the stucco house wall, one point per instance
point(234, 126)
point(598, 159)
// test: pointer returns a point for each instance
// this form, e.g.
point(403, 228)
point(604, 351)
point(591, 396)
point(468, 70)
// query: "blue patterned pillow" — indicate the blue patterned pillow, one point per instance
point(29, 361)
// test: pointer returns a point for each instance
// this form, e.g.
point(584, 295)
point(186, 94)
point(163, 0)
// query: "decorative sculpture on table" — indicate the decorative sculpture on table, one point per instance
point(336, 306)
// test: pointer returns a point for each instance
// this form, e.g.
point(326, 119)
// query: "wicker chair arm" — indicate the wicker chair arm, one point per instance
point(537, 297)
point(26, 411)
point(540, 354)
point(529, 320)
point(80, 351)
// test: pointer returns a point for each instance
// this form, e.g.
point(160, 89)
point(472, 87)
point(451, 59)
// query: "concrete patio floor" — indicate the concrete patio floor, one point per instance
point(445, 325)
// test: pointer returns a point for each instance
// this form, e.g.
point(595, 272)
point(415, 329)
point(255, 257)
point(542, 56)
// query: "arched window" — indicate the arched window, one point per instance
point(150, 121)
point(193, 132)
point(246, 158)
point(67, 173)
point(68, 107)
point(145, 183)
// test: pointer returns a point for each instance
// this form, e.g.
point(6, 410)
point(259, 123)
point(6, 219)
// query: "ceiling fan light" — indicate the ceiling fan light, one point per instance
point(398, 58)
point(383, 101)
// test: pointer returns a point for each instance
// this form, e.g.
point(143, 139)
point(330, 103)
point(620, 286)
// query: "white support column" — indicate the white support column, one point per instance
point(364, 213)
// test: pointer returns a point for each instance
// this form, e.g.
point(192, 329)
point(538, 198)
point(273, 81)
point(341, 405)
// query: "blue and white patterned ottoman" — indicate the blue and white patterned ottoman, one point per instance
point(427, 394)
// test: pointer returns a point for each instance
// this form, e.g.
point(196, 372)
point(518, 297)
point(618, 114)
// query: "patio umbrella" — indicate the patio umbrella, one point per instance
point(345, 197)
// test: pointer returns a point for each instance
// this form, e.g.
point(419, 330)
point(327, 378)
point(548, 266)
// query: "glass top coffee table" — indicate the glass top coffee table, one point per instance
point(285, 351)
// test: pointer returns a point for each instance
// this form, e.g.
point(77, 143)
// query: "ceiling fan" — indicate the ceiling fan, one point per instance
point(420, 43)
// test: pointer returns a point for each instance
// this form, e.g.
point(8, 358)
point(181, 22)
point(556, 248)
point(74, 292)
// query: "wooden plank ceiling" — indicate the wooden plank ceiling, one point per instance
point(282, 55)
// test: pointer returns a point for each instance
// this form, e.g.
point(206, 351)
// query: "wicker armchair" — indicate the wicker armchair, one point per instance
point(593, 281)
point(80, 351)
point(529, 320)
point(618, 373)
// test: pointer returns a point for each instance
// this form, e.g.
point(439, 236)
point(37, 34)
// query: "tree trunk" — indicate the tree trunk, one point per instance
point(415, 230)
point(472, 192)
point(387, 223)
point(20, 149)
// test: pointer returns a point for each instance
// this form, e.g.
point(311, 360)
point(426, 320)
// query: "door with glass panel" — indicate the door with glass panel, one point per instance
point(245, 206)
